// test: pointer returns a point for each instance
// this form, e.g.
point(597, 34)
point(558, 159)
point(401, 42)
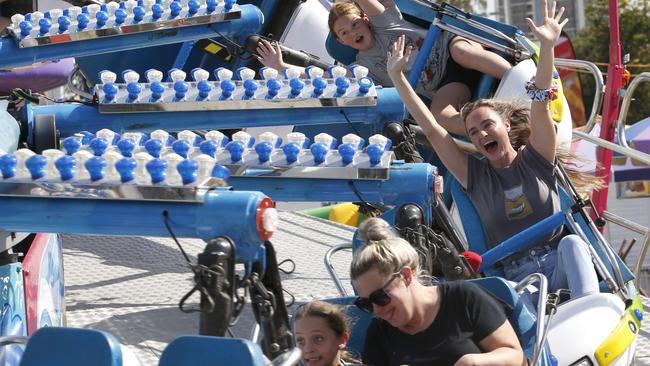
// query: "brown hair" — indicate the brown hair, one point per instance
point(340, 9)
point(518, 114)
point(333, 316)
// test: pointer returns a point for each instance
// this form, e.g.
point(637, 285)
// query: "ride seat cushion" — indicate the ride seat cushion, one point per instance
point(205, 350)
point(56, 346)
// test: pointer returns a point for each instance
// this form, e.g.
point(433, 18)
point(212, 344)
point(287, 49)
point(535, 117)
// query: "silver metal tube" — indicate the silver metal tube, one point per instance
point(625, 106)
point(330, 267)
point(634, 154)
point(541, 309)
point(289, 358)
point(640, 229)
point(598, 79)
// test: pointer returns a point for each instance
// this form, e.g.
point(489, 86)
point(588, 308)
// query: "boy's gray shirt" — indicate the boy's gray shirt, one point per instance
point(386, 28)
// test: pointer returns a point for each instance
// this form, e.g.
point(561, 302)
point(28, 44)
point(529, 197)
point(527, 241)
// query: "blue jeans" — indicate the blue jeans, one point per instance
point(568, 267)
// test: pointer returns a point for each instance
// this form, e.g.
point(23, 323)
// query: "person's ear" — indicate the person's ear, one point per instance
point(345, 337)
point(365, 19)
point(506, 122)
point(407, 273)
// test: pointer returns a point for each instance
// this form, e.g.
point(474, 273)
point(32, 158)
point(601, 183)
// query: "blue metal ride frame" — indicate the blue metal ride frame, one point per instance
point(221, 213)
point(13, 56)
point(408, 183)
point(72, 118)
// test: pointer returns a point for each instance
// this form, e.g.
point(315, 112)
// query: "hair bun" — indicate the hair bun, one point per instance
point(375, 229)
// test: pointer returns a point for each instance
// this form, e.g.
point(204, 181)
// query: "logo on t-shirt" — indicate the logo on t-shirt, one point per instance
point(517, 205)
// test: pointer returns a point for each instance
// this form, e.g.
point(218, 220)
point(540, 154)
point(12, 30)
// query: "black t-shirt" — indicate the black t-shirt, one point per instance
point(467, 315)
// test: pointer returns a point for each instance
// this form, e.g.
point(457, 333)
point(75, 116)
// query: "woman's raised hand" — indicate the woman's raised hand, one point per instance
point(551, 27)
point(397, 57)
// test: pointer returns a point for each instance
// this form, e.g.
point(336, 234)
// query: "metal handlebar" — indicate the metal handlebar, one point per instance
point(598, 79)
point(290, 358)
point(625, 106)
point(330, 267)
point(541, 309)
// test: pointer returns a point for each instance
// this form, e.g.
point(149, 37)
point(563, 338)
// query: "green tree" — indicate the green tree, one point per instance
point(592, 43)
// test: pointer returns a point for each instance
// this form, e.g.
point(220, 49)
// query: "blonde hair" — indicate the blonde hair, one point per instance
point(335, 318)
point(518, 114)
point(387, 255)
point(375, 228)
point(340, 9)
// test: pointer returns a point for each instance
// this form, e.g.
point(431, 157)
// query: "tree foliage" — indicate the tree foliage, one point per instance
point(592, 43)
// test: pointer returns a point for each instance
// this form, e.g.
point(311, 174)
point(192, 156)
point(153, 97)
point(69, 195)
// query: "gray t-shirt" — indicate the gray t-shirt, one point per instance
point(511, 199)
point(386, 27)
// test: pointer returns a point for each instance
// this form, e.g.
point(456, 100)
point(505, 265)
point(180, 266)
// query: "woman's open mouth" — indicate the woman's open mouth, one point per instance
point(491, 146)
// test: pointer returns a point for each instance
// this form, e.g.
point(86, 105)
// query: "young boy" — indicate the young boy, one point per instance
point(372, 26)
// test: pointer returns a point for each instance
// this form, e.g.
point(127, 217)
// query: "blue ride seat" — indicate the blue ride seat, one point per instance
point(56, 346)
point(205, 350)
point(522, 320)
point(478, 243)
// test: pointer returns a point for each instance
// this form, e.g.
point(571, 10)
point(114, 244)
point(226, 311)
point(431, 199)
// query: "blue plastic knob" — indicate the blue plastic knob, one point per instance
point(211, 5)
point(638, 314)
point(126, 168)
point(204, 88)
point(71, 145)
point(126, 147)
point(64, 23)
point(96, 167)
point(181, 88)
point(84, 9)
point(138, 14)
point(102, 18)
point(209, 147)
point(375, 152)
point(342, 85)
point(187, 170)
point(157, 169)
point(25, 28)
point(347, 152)
point(175, 8)
point(103, 7)
point(193, 7)
point(45, 25)
point(319, 151)
point(134, 90)
point(8, 165)
point(296, 86)
point(82, 21)
point(157, 89)
point(110, 91)
point(291, 152)
point(98, 145)
point(319, 86)
point(273, 86)
point(153, 147)
point(36, 166)
point(250, 87)
point(120, 15)
point(86, 137)
point(365, 84)
point(228, 4)
point(220, 171)
point(236, 150)
point(157, 10)
point(227, 87)
point(264, 150)
point(66, 166)
point(181, 147)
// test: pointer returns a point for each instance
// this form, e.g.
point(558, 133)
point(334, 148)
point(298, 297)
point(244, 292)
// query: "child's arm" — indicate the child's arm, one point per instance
point(450, 154)
point(373, 7)
point(543, 136)
point(270, 55)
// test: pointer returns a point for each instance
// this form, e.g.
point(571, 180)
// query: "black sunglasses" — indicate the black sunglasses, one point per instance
point(378, 297)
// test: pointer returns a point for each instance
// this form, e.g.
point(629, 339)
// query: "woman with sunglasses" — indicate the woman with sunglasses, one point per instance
point(451, 323)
